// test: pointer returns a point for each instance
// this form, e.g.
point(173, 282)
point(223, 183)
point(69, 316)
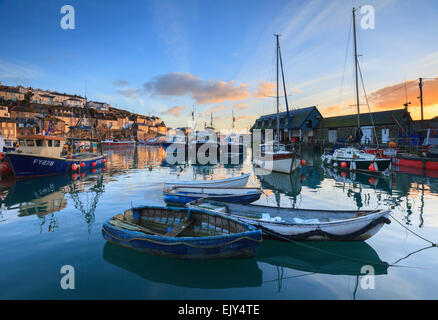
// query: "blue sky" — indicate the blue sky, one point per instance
point(162, 57)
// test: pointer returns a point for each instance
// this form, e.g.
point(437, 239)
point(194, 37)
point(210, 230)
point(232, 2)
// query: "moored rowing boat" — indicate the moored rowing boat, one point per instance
point(302, 224)
point(182, 233)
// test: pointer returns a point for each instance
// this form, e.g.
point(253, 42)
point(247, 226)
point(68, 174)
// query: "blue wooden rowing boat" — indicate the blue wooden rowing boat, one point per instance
point(182, 233)
point(184, 195)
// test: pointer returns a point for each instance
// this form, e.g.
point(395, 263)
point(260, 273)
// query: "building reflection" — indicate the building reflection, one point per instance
point(43, 197)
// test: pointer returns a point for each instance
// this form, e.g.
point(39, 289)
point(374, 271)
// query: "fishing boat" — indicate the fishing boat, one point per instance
point(415, 161)
point(356, 160)
point(302, 224)
point(42, 155)
point(177, 141)
point(183, 195)
point(233, 182)
point(275, 156)
point(182, 233)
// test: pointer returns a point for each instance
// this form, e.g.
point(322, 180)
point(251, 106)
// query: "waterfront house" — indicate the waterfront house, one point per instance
point(303, 123)
point(389, 126)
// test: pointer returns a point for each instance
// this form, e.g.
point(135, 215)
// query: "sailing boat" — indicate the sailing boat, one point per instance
point(352, 158)
point(276, 156)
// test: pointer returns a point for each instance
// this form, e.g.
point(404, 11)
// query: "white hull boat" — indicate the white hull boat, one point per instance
point(303, 224)
point(234, 182)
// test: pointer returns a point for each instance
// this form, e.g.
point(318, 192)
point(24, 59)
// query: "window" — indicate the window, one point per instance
point(30, 143)
point(39, 143)
point(22, 142)
point(49, 143)
point(57, 143)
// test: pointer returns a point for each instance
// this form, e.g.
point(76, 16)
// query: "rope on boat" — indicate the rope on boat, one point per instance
point(434, 244)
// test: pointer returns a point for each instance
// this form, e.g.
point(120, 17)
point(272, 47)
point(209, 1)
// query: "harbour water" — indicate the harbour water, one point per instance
point(51, 222)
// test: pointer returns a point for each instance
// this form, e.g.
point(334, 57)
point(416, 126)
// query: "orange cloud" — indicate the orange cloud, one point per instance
point(265, 89)
point(175, 111)
point(394, 97)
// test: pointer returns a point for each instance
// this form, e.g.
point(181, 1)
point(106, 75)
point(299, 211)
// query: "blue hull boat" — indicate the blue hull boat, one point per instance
point(183, 195)
point(27, 165)
point(182, 233)
point(40, 155)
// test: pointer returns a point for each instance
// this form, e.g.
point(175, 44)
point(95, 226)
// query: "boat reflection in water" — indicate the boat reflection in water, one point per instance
point(289, 184)
point(222, 274)
point(383, 183)
point(43, 197)
point(337, 258)
point(331, 258)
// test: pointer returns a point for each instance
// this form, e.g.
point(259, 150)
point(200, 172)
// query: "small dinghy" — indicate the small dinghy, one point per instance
point(234, 182)
point(182, 233)
point(183, 195)
point(302, 224)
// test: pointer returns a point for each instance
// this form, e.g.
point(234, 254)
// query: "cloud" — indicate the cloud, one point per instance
point(202, 91)
point(265, 89)
point(19, 71)
point(175, 111)
point(120, 83)
point(128, 93)
point(269, 89)
point(241, 106)
point(394, 97)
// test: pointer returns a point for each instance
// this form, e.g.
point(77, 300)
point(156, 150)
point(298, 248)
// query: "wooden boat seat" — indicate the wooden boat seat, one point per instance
point(175, 232)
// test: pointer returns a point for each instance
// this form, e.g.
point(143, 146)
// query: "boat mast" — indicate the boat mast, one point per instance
point(285, 93)
point(356, 69)
point(278, 99)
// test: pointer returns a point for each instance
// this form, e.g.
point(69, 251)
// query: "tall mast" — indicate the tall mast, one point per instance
point(233, 118)
point(356, 67)
point(285, 95)
point(278, 98)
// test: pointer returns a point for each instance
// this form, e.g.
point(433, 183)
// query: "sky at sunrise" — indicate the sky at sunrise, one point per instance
point(163, 57)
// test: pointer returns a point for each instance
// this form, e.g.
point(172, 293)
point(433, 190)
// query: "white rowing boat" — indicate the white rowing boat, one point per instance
point(234, 182)
point(302, 224)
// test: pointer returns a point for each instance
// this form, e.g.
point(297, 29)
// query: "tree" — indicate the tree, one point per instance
point(28, 97)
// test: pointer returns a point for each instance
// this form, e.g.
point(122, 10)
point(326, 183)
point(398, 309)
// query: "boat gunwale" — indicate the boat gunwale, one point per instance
point(371, 215)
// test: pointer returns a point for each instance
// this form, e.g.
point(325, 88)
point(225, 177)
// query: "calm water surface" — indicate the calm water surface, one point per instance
point(50, 222)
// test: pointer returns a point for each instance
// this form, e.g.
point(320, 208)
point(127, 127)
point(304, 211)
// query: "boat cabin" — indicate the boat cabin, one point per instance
point(45, 145)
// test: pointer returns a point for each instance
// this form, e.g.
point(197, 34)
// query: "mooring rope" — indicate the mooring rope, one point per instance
point(434, 244)
point(273, 233)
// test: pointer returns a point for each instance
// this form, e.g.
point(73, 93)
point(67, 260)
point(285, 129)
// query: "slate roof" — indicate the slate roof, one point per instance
point(298, 117)
point(379, 118)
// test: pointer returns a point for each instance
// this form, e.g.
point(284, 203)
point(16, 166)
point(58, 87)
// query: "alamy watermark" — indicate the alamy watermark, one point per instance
point(367, 282)
point(368, 21)
point(68, 20)
point(67, 281)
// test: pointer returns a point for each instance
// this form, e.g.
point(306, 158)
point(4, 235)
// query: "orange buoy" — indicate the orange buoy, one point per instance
point(372, 181)
point(103, 160)
point(93, 164)
point(82, 164)
point(344, 174)
point(74, 167)
point(344, 164)
point(371, 167)
point(93, 171)
point(82, 174)
point(303, 162)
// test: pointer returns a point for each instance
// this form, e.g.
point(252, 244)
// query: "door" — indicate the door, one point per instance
point(385, 135)
point(367, 137)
